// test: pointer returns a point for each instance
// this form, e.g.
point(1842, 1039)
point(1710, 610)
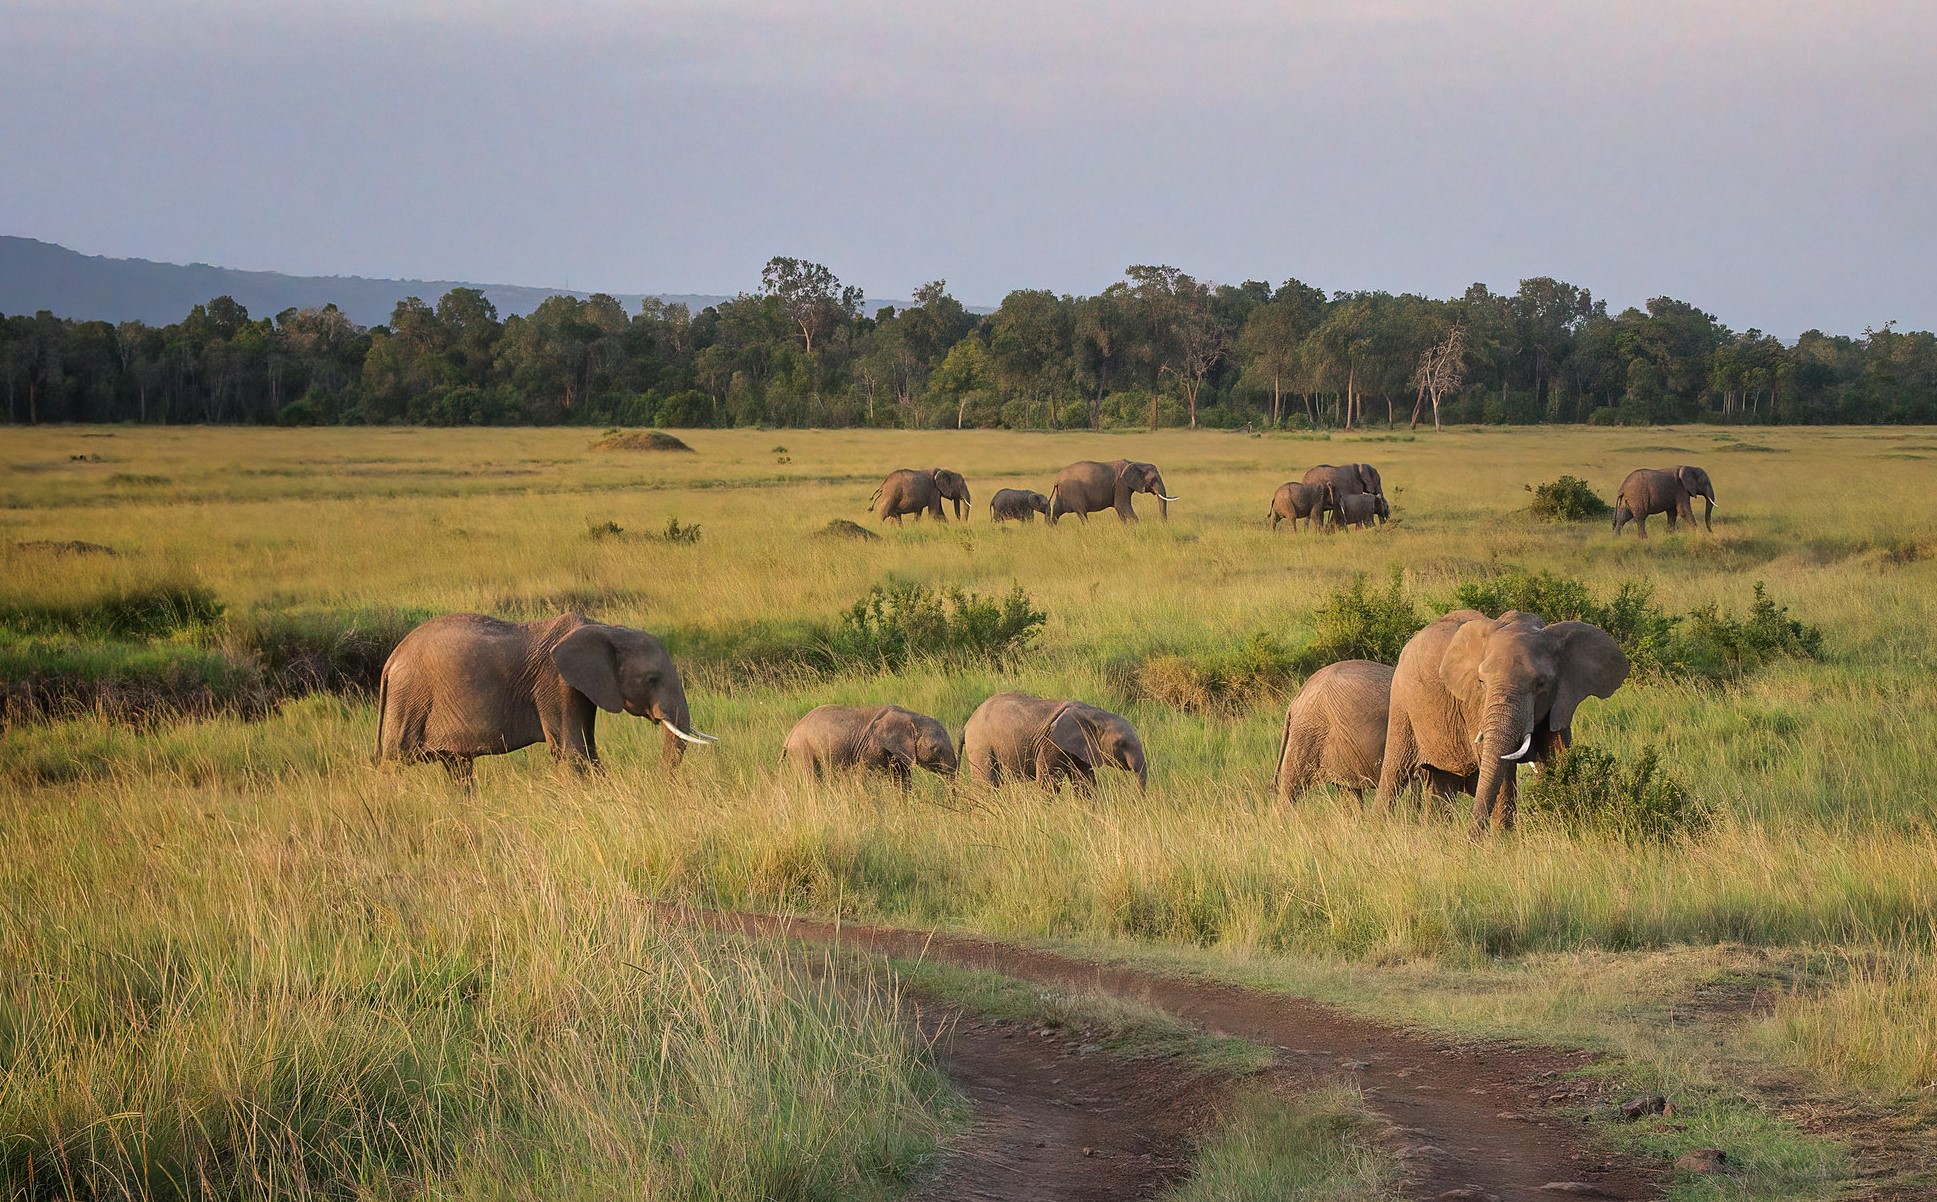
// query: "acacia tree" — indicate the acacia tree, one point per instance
point(813, 298)
point(1189, 339)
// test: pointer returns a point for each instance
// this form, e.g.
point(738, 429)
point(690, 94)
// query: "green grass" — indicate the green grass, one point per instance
point(1318, 1147)
point(236, 844)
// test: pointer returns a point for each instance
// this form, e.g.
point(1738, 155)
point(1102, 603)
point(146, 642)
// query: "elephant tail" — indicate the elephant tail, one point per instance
point(874, 498)
point(1054, 489)
point(1280, 784)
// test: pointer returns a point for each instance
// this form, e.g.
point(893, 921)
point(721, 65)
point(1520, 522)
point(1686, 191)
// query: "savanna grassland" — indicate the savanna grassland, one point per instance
point(242, 960)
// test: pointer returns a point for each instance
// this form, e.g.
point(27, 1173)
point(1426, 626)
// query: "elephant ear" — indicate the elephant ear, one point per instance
point(1069, 731)
point(1592, 664)
point(1459, 664)
point(588, 660)
point(895, 732)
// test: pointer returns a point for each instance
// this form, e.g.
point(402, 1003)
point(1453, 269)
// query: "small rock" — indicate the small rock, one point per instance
point(1511, 1116)
point(1643, 1106)
point(1089, 1049)
point(1421, 1151)
point(1000, 1022)
point(1089, 1151)
point(1703, 1160)
point(1466, 1193)
point(1355, 1066)
point(1576, 1189)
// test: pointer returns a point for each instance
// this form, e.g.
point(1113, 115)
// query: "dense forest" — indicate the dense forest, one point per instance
point(1157, 348)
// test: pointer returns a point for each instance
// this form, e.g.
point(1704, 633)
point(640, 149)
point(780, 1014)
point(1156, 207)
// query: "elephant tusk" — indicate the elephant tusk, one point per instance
point(1166, 498)
point(1524, 744)
point(700, 737)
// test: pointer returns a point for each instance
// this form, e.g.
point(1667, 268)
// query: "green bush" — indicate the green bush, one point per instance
point(676, 533)
point(1360, 622)
point(1257, 671)
point(1703, 644)
point(333, 651)
point(901, 621)
point(1568, 499)
point(1589, 792)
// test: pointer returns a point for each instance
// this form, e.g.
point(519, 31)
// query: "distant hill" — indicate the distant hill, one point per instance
point(37, 275)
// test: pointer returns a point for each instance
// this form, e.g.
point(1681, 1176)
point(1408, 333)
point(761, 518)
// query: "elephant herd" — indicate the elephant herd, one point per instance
point(1470, 699)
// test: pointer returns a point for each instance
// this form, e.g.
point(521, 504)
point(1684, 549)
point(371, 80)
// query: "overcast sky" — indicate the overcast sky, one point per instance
point(1769, 161)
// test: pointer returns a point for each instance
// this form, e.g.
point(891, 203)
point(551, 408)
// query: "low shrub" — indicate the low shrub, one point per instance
point(1360, 622)
point(1568, 499)
point(334, 651)
point(600, 532)
point(676, 533)
point(147, 609)
point(900, 621)
point(1258, 671)
point(1585, 791)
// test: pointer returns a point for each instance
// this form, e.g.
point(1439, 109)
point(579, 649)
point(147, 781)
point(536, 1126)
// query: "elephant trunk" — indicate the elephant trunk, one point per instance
point(1163, 498)
point(677, 722)
point(1505, 738)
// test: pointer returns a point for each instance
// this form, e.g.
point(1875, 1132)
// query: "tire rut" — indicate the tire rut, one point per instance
point(1464, 1116)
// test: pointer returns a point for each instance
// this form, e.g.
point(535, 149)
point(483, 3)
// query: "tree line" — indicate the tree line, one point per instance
point(1157, 348)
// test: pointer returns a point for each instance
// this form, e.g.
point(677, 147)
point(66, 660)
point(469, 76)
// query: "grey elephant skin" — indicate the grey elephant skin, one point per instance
point(1345, 481)
point(1648, 491)
point(1473, 697)
point(1016, 736)
point(1360, 508)
point(878, 738)
point(1088, 487)
point(1017, 505)
point(920, 490)
point(465, 685)
point(1335, 730)
point(1295, 500)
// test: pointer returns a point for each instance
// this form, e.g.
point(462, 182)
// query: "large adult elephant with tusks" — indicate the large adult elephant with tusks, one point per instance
point(1015, 736)
point(465, 685)
point(1091, 487)
point(920, 490)
point(1474, 697)
point(1648, 491)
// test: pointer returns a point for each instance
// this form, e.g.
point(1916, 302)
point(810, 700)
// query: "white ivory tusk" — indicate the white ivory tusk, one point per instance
point(1167, 498)
point(1524, 744)
point(700, 737)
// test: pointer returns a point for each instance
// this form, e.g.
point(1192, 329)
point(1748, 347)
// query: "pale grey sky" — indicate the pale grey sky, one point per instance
point(1770, 161)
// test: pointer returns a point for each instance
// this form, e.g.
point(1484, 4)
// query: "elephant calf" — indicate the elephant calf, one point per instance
point(1017, 505)
point(466, 685)
point(909, 490)
point(882, 738)
point(1359, 508)
point(1335, 730)
point(1648, 491)
point(1017, 736)
point(1295, 500)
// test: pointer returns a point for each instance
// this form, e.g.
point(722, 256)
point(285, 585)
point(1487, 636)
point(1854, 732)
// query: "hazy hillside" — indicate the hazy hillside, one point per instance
point(37, 275)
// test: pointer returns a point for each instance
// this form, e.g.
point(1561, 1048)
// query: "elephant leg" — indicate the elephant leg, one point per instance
point(1641, 524)
point(461, 769)
point(902, 776)
point(1621, 516)
point(1082, 777)
point(1401, 757)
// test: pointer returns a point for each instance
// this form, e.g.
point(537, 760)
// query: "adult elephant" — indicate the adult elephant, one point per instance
point(465, 685)
point(1018, 736)
point(920, 490)
point(1335, 730)
point(1648, 491)
point(1017, 505)
point(1474, 697)
point(1091, 487)
point(1295, 500)
point(881, 738)
point(1345, 481)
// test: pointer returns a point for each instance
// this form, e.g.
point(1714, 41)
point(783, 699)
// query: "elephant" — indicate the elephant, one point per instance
point(1090, 487)
point(1649, 491)
point(1016, 504)
point(918, 491)
point(1474, 697)
point(1015, 735)
point(885, 738)
point(1359, 508)
point(1335, 730)
point(465, 685)
point(1295, 500)
point(1345, 481)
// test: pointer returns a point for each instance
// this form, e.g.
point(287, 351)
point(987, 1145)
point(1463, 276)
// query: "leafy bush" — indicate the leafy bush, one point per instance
point(1259, 670)
point(599, 532)
point(1702, 644)
point(1589, 792)
point(334, 651)
point(676, 533)
point(1359, 622)
point(1568, 499)
point(900, 621)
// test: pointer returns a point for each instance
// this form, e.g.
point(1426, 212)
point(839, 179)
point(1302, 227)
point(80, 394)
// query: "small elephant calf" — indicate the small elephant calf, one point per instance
point(1015, 735)
point(1335, 730)
point(1359, 508)
point(1017, 505)
point(880, 738)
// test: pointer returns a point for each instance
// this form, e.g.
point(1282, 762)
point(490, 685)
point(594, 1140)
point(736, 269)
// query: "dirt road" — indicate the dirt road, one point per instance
point(1484, 1118)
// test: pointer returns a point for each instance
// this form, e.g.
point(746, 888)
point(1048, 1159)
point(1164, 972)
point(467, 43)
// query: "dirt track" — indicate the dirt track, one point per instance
point(1464, 1116)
